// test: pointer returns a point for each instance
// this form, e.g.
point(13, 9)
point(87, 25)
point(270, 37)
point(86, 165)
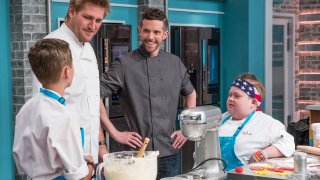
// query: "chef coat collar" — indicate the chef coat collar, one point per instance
point(142, 50)
point(54, 95)
point(71, 34)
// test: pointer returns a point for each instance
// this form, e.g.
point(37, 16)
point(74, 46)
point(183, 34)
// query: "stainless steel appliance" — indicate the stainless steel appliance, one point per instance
point(199, 50)
point(111, 41)
point(201, 125)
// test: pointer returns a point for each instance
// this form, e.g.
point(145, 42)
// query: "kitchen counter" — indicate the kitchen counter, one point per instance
point(247, 174)
point(313, 171)
point(315, 107)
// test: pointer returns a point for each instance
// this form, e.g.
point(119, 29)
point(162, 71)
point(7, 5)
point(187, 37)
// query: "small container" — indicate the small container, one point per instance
point(300, 164)
point(316, 134)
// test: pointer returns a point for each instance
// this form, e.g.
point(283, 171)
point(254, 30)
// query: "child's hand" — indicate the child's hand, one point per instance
point(88, 158)
point(90, 163)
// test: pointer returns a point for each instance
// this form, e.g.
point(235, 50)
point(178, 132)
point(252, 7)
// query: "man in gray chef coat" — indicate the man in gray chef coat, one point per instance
point(150, 81)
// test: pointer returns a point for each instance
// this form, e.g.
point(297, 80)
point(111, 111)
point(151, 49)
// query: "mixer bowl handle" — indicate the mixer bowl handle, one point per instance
point(99, 172)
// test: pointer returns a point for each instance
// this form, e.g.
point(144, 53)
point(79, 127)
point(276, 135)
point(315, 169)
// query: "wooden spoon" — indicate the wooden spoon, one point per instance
point(143, 147)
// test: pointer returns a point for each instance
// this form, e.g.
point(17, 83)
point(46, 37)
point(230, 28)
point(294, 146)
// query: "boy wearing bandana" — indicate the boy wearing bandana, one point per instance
point(247, 134)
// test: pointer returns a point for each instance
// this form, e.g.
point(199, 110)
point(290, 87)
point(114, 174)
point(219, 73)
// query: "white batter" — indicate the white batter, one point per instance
point(144, 168)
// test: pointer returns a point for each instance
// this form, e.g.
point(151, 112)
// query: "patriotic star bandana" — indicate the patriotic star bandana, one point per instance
point(249, 89)
point(245, 86)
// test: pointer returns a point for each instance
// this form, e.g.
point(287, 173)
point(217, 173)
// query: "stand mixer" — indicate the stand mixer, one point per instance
point(201, 124)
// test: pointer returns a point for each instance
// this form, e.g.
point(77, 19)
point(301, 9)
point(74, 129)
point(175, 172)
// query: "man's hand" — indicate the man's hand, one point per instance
point(179, 139)
point(131, 139)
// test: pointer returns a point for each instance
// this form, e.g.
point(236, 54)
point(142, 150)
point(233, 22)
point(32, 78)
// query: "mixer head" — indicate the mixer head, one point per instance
point(196, 121)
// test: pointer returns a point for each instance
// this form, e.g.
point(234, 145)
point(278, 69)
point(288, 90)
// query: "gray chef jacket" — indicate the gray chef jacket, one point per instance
point(149, 89)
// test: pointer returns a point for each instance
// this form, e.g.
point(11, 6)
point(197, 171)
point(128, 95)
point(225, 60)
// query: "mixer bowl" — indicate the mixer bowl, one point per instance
point(124, 166)
point(193, 131)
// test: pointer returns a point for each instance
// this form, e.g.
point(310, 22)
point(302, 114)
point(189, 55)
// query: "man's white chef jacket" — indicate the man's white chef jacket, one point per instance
point(47, 141)
point(260, 132)
point(83, 96)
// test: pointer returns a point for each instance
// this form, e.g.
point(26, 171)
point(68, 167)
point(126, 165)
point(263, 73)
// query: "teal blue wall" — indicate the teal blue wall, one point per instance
point(235, 44)
point(6, 120)
point(243, 42)
point(256, 37)
point(126, 14)
point(196, 18)
point(206, 5)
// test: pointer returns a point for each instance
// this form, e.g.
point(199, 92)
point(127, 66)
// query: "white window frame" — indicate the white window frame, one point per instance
point(289, 73)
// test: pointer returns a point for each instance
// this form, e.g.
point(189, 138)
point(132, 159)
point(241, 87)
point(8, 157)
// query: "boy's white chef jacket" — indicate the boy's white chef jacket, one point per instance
point(83, 96)
point(47, 141)
point(260, 132)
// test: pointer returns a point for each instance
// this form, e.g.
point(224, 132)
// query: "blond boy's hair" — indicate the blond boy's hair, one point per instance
point(78, 5)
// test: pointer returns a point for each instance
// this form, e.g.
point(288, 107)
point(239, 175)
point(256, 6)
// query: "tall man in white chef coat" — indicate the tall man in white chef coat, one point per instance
point(83, 20)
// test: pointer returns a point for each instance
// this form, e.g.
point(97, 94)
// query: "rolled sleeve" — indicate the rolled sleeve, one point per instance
point(64, 139)
point(186, 86)
point(112, 80)
point(104, 90)
point(81, 172)
point(282, 140)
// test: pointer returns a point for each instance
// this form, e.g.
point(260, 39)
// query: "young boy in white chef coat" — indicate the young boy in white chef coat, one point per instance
point(247, 134)
point(47, 139)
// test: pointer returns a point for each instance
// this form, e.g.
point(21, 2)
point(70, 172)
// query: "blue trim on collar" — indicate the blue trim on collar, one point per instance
point(53, 95)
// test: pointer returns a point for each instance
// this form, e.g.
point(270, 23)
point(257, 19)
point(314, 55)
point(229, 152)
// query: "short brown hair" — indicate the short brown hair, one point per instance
point(155, 14)
point(77, 5)
point(47, 59)
point(251, 78)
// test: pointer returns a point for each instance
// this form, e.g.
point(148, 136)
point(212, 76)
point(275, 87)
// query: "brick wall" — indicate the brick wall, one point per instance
point(28, 24)
point(309, 5)
point(307, 57)
point(286, 6)
point(309, 53)
point(307, 45)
